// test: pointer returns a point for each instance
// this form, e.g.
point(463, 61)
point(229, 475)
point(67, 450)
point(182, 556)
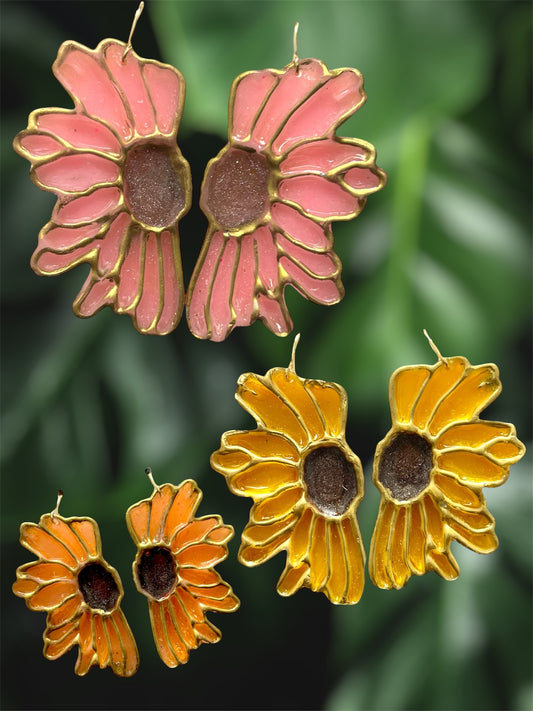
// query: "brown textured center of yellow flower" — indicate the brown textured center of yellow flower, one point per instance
point(235, 190)
point(156, 572)
point(154, 184)
point(98, 587)
point(330, 479)
point(405, 465)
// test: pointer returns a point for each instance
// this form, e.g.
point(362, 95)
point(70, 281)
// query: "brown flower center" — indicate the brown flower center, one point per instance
point(154, 184)
point(235, 190)
point(330, 479)
point(156, 572)
point(98, 587)
point(405, 465)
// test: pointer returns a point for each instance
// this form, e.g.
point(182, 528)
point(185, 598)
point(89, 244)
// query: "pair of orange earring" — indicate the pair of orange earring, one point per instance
point(270, 195)
point(173, 568)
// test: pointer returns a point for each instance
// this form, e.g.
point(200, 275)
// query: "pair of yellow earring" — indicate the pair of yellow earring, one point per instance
point(173, 568)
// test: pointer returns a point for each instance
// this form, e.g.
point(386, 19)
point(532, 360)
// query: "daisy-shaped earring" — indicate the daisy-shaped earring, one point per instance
point(271, 194)
point(80, 592)
point(431, 467)
point(174, 568)
point(305, 481)
point(120, 179)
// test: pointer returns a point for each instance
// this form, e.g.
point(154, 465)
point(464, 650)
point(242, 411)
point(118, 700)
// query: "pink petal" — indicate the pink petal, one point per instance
point(274, 315)
point(130, 273)
point(220, 313)
point(200, 286)
point(76, 173)
point(112, 244)
point(267, 258)
point(252, 89)
point(38, 146)
point(167, 89)
point(80, 71)
point(323, 291)
point(148, 307)
point(245, 279)
point(323, 111)
point(292, 88)
point(65, 239)
point(79, 131)
point(319, 197)
point(173, 292)
point(94, 296)
point(127, 76)
point(323, 156)
point(101, 203)
point(300, 228)
point(319, 263)
point(364, 179)
point(51, 263)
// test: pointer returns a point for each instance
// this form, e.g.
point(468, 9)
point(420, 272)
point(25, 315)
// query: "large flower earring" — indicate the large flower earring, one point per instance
point(271, 194)
point(121, 182)
point(80, 592)
point(174, 568)
point(431, 467)
point(305, 481)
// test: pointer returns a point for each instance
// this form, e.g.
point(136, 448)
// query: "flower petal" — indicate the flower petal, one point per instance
point(318, 264)
point(113, 244)
point(404, 389)
point(167, 92)
point(457, 494)
point(267, 261)
point(250, 91)
point(478, 542)
point(434, 524)
point(473, 434)
point(318, 555)
point(228, 604)
point(77, 130)
point(202, 555)
point(321, 291)
point(66, 239)
point(263, 479)
point(103, 202)
point(262, 444)
point(101, 644)
point(300, 538)
point(255, 555)
point(397, 567)
point(45, 546)
point(63, 530)
point(338, 576)
point(52, 595)
point(476, 522)
point(416, 550)
point(182, 622)
point(183, 508)
point(507, 451)
point(472, 468)
point(379, 546)
point(292, 579)
point(264, 533)
point(76, 173)
point(67, 611)
point(219, 306)
point(442, 381)
point(160, 503)
point(36, 146)
point(86, 653)
point(277, 506)
point(173, 294)
point(138, 518)
point(444, 564)
point(199, 291)
point(332, 403)
point(207, 632)
point(200, 577)
point(53, 649)
point(194, 531)
point(274, 314)
point(94, 295)
point(325, 156)
point(130, 281)
point(169, 645)
point(292, 390)
point(364, 181)
point(355, 557)
point(299, 228)
point(319, 197)
point(44, 572)
point(244, 286)
point(124, 654)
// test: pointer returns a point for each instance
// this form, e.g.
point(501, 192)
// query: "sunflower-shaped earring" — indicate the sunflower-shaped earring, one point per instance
point(174, 568)
point(120, 179)
point(271, 194)
point(431, 467)
point(79, 591)
point(305, 481)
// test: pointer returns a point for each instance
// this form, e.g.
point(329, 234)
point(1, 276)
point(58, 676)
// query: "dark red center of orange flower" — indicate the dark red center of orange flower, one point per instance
point(235, 190)
point(156, 572)
point(154, 184)
point(330, 479)
point(98, 587)
point(405, 465)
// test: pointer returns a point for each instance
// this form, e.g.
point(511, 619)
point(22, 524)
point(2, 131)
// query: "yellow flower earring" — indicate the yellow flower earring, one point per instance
point(431, 467)
point(305, 481)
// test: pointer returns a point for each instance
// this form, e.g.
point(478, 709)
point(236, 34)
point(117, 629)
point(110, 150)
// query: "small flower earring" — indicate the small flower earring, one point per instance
point(174, 568)
point(431, 467)
point(121, 181)
point(81, 593)
point(271, 194)
point(305, 481)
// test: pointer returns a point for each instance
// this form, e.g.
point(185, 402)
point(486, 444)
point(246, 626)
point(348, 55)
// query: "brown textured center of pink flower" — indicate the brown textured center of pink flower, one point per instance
point(156, 572)
point(98, 587)
point(330, 479)
point(154, 184)
point(235, 190)
point(405, 465)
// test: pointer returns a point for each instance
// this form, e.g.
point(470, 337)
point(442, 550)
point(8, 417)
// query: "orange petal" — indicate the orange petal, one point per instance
point(405, 386)
point(53, 649)
point(292, 390)
point(507, 451)
point(228, 604)
point(23, 587)
point(441, 381)
point(137, 519)
point(45, 572)
point(332, 403)
point(65, 612)
point(202, 555)
point(225, 460)
point(166, 640)
point(477, 389)
point(44, 545)
point(128, 648)
point(456, 493)
point(399, 572)
point(299, 541)
point(478, 542)
point(87, 532)
point(190, 604)
point(434, 524)
point(101, 642)
point(270, 411)
point(276, 507)
point(264, 533)
point(355, 555)
point(416, 552)
point(220, 534)
point(183, 507)
point(200, 576)
point(318, 554)
point(475, 522)
point(52, 595)
point(194, 531)
point(254, 555)
point(217, 592)
point(182, 622)
point(207, 632)
point(263, 479)
point(292, 579)
point(262, 444)
point(472, 434)
point(86, 654)
point(338, 576)
point(444, 564)
point(159, 506)
point(61, 529)
point(473, 468)
point(59, 633)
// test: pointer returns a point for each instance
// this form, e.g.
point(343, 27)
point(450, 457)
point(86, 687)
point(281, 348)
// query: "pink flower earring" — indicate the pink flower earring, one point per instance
point(272, 192)
point(121, 181)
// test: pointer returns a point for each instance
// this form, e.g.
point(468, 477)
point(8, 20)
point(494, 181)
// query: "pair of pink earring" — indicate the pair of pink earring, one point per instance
point(270, 195)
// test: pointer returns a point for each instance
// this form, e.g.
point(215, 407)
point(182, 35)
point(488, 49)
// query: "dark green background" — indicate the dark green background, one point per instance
point(87, 405)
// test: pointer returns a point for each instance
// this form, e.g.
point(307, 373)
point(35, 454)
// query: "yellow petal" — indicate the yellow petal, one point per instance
point(478, 542)
point(405, 386)
point(444, 564)
point(443, 379)
point(262, 445)
point(332, 402)
point(292, 389)
point(263, 479)
point(477, 522)
point(473, 468)
point(318, 555)
point(255, 555)
point(292, 579)
point(507, 452)
point(275, 507)
point(261, 534)
point(399, 572)
point(416, 555)
point(434, 524)
point(472, 434)
point(355, 555)
point(379, 546)
point(224, 461)
point(456, 493)
point(338, 576)
point(299, 541)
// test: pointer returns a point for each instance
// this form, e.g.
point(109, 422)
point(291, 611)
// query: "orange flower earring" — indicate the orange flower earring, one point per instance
point(79, 591)
point(174, 568)
point(121, 181)
point(305, 481)
point(431, 467)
